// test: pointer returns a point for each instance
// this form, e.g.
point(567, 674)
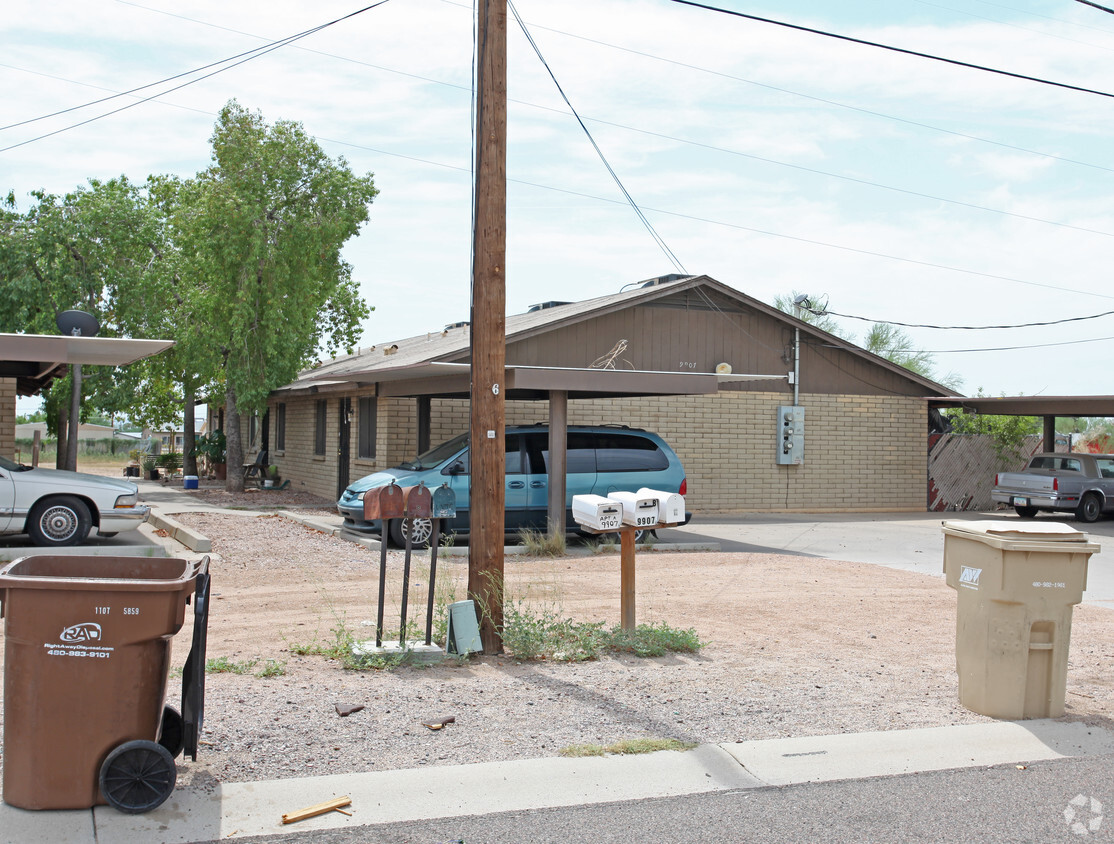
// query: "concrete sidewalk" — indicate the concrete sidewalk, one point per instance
point(239, 810)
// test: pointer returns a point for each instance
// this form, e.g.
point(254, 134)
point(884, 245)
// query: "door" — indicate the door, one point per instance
point(515, 487)
point(580, 476)
point(7, 498)
point(344, 445)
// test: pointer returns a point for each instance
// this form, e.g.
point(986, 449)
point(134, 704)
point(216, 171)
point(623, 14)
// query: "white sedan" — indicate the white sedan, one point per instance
point(57, 508)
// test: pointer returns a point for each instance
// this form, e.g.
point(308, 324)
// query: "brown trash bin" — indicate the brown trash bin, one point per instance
point(86, 657)
point(1016, 585)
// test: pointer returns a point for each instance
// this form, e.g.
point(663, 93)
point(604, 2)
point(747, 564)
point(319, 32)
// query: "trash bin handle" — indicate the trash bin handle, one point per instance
point(199, 567)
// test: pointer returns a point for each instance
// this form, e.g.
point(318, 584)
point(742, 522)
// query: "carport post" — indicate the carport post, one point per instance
point(558, 439)
point(1050, 433)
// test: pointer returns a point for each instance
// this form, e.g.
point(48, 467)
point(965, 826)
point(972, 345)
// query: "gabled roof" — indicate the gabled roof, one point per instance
point(421, 356)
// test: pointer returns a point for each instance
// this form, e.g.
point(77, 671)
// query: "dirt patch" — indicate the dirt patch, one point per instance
point(796, 646)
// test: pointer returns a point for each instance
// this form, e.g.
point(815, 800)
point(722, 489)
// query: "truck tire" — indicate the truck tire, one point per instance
point(1090, 508)
point(1026, 512)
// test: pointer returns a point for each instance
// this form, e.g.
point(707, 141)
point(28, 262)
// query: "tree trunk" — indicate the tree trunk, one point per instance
point(189, 437)
point(234, 448)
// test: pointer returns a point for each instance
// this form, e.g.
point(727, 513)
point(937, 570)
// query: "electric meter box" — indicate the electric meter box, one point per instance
point(790, 435)
point(638, 510)
point(597, 512)
point(671, 506)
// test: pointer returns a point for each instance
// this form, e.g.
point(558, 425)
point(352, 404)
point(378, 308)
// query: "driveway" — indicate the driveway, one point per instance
point(909, 541)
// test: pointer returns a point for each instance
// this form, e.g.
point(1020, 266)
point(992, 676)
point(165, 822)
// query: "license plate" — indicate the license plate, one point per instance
point(1020, 502)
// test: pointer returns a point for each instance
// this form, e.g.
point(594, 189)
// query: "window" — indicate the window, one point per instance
point(368, 410)
point(321, 409)
point(618, 453)
point(280, 427)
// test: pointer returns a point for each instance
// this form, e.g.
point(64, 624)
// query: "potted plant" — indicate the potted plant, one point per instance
point(150, 466)
point(271, 476)
point(132, 469)
point(212, 448)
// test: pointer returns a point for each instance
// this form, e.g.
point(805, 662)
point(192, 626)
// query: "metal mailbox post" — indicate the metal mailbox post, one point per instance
point(384, 503)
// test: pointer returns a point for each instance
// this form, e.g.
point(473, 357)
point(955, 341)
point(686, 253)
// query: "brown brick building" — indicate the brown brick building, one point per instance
point(655, 349)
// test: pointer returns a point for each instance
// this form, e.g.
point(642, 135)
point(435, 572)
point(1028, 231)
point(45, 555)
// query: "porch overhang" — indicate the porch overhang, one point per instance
point(35, 360)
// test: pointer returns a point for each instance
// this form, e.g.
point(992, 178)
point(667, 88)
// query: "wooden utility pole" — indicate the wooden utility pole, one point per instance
point(489, 331)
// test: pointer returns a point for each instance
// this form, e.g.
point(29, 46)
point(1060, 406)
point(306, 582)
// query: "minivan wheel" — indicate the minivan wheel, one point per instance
point(420, 531)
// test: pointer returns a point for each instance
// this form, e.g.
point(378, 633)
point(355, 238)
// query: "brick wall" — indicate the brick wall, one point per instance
point(7, 417)
point(860, 453)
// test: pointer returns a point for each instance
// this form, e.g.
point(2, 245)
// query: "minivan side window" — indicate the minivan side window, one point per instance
point(512, 458)
point(580, 453)
point(622, 453)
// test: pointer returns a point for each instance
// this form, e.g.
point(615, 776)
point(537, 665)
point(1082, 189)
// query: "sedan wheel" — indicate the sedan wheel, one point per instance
point(61, 521)
point(1090, 508)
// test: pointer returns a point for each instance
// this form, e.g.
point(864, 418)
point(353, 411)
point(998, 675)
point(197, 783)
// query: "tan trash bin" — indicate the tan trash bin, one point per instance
point(86, 656)
point(1016, 585)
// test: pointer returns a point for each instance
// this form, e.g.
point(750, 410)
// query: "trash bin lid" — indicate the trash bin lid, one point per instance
point(1022, 535)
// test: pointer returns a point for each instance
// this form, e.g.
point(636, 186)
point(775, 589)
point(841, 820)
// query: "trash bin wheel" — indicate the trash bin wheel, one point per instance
point(173, 735)
point(138, 776)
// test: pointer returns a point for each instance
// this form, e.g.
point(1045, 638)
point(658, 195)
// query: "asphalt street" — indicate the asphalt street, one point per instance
point(1064, 800)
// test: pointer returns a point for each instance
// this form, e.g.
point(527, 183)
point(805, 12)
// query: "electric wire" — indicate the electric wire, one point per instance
point(1011, 348)
point(1096, 6)
point(826, 311)
point(615, 176)
point(901, 50)
point(249, 57)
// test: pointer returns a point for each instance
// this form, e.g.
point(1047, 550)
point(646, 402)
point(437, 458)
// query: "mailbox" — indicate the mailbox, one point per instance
point(444, 502)
point(419, 503)
point(637, 509)
point(597, 512)
point(385, 502)
point(671, 506)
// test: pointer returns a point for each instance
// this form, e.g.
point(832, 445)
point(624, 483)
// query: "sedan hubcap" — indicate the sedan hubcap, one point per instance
point(59, 523)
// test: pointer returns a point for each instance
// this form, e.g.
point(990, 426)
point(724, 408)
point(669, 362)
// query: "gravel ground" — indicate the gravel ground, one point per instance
point(795, 646)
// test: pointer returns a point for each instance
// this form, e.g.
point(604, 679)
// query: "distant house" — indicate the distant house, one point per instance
point(85, 431)
point(646, 357)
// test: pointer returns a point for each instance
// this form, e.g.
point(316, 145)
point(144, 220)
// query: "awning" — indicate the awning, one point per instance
point(1032, 405)
point(35, 360)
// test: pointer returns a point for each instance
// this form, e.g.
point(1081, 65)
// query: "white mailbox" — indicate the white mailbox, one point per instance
point(597, 512)
point(637, 510)
point(671, 506)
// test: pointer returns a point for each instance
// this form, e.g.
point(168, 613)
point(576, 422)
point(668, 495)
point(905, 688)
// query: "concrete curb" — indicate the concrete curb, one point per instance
point(237, 810)
point(181, 534)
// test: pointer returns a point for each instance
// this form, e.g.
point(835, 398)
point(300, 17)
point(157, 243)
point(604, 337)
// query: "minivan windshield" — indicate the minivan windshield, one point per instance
point(436, 455)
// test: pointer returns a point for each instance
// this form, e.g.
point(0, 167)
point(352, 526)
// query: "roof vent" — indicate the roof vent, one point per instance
point(662, 279)
point(543, 306)
point(452, 325)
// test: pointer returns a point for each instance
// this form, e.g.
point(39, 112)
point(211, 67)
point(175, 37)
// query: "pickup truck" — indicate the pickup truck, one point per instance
point(1078, 482)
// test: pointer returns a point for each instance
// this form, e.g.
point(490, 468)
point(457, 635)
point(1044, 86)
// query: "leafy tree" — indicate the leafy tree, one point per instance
point(892, 343)
point(260, 233)
point(1007, 432)
point(80, 252)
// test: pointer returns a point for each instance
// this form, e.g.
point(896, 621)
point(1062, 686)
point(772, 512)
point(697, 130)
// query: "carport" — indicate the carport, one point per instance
point(557, 385)
point(35, 360)
point(1047, 407)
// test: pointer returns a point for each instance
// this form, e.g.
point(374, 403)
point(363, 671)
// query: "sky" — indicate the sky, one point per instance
point(892, 187)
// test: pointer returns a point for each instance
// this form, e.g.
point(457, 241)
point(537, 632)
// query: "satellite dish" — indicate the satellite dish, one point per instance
point(77, 324)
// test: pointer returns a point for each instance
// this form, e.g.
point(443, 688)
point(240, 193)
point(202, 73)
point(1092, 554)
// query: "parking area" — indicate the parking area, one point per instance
point(908, 541)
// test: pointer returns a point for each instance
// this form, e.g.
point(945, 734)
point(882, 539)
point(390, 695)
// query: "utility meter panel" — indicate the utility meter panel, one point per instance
point(790, 435)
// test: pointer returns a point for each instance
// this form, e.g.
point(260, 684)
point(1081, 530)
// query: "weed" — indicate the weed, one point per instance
point(272, 668)
point(225, 665)
point(627, 746)
point(539, 544)
point(654, 640)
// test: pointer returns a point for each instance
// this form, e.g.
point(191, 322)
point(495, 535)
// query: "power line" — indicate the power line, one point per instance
point(615, 176)
point(1014, 348)
point(1096, 6)
point(826, 312)
point(900, 50)
point(253, 54)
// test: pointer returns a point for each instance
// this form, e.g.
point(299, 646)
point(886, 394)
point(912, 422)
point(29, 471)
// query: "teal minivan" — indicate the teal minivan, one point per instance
point(599, 460)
